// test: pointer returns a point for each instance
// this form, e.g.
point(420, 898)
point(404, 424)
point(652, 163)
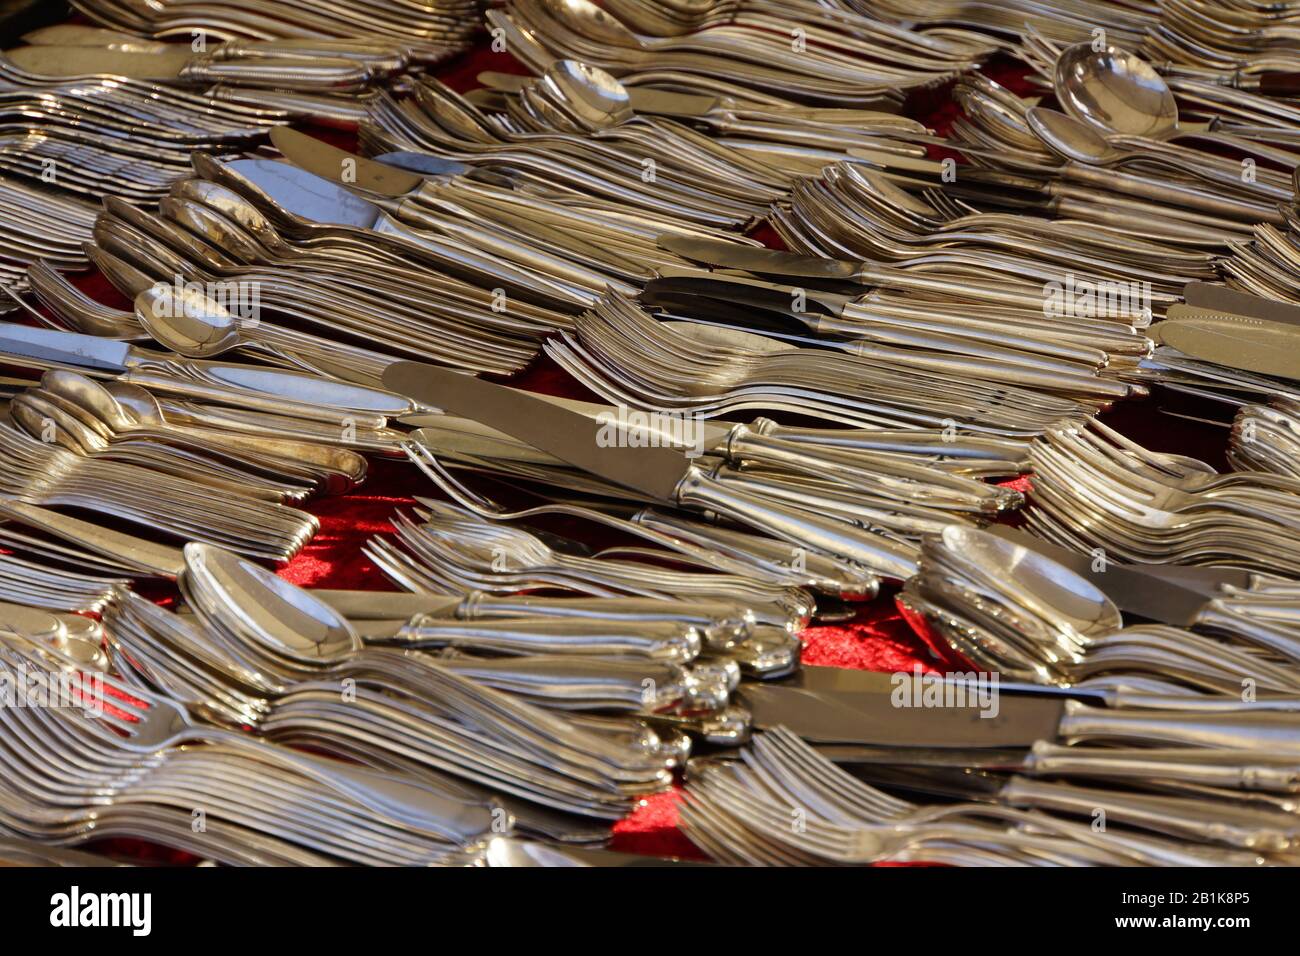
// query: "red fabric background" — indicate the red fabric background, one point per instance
point(877, 639)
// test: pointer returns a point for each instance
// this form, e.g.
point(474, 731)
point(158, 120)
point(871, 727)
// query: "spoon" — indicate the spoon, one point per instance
point(1115, 91)
point(125, 408)
point(1120, 93)
point(595, 96)
point(268, 609)
point(1081, 142)
point(1042, 585)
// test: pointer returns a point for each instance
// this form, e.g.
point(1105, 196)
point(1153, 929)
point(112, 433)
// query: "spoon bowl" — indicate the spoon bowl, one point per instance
point(1115, 91)
point(260, 607)
point(186, 321)
point(594, 95)
point(1041, 584)
point(1070, 138)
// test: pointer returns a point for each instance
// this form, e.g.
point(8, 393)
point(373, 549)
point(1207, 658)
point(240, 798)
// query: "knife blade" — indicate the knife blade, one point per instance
point(1259, 347)
point(875, 719)
point(427, 164)
point(73, 34)
point(395, 175)
point(114, 355)
point(1009, 720)
point(338, 165)
point(719, 252)
point(58, 62)
point(662, 474)
point(1221, 299)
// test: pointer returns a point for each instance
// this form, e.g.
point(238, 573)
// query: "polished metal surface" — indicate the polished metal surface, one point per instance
point(768, 438)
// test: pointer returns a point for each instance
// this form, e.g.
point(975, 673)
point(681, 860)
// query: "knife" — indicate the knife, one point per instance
point(61, 62)
point(95, 352)
point(717, 432)
point(852, 464)
point(348, 169)
point(1019, 720)
point(1250, 345)
point(662, 474)
point(762, 306)
point(719, 252)
point(1220, 299)
point(428, 165)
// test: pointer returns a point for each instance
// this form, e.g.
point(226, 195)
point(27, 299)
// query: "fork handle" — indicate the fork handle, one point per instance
point(1222, 822)
point(413, 803)
point(1047, 759)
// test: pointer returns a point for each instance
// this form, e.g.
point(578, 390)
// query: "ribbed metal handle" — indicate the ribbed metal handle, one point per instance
point(280, 74)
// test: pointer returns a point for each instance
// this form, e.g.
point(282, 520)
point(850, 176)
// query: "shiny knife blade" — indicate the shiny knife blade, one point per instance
point(393, 175)
point(308, 195)
point(73, 34)
point(1219, 298)
point(424, 164)
point(339, 166)
point(72, 348)
point(1263, 348)
point(875, 720)
point(568, 435)
point(712, 434)
point(717, 252)
point(114, 355)
point(662, 474)
point(64, 61)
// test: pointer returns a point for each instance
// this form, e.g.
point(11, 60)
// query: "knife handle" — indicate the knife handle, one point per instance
point(335, 74)
point(185, 379)
point(378, 59)
point(747, 444)
point(572, 682)
point(889, 558)
point(1221, 822)
point(127, 549)
point(1267, 731)
point(721, 623)
point(920, 442)
point(1234, 773)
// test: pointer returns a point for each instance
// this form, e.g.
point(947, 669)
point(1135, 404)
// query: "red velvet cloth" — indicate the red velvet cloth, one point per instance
point(877, 639)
